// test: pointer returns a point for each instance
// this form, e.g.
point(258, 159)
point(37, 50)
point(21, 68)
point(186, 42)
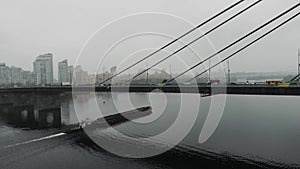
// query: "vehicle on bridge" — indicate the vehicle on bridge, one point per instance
point(274, 82)
point(288, 84)
point(280, 83)
point(163, 83)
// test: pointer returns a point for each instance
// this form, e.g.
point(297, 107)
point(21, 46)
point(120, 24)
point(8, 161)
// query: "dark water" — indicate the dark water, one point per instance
point(254, 132)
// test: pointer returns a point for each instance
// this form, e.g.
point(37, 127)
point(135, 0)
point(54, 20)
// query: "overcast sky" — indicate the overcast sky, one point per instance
point(62, 27)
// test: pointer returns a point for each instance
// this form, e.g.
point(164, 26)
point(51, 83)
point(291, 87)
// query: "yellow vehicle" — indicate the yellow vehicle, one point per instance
point(274, 82)
point(161, 85)
point(284, 85)
point(288, 84)
point(280, 83)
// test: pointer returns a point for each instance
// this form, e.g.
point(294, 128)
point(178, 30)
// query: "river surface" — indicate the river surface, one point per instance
point(251, 132)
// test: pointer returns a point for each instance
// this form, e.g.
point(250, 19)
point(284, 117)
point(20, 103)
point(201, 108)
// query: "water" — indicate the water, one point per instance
point(254, 132)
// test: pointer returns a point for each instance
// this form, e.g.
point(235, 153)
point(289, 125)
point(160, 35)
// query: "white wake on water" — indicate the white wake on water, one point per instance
point(36, 140)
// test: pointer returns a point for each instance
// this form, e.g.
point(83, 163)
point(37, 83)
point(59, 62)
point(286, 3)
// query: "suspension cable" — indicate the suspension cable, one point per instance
point(175, 40)
point(237, 41)
point(195, 40)
point(248, 45)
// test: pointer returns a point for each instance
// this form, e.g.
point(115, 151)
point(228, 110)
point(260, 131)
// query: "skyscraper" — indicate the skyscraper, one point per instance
point(43, 69)
point(70, 72)
point(5, 77)
point(15, 74)
point(63, 72)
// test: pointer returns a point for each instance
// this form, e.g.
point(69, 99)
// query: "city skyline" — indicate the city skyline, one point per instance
point(66, 41)
point(16, 75)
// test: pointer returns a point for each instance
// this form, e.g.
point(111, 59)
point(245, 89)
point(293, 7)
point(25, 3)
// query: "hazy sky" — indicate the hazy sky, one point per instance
point(62, 27)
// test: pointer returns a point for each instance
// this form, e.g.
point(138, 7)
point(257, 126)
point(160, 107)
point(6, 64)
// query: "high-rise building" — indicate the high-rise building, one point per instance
point(80, 76)
point(5, 77)
point(70, 72)
point(15, 74)
point(43, 69)
point(27, 78)
point(63, 72)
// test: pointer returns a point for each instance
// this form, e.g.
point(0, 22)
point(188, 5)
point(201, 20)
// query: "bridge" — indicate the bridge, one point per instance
point(209, 90)
point(206, 90)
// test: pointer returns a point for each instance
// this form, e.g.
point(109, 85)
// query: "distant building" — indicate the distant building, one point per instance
point(113, 70)
point(63, 72)
point(70, 73)
point(160, 74)
point(5, 78)
point(15, 74)
point(80, 76)
point(27, 78)
point(103, 77)
point(43, 69)
point(91, 79)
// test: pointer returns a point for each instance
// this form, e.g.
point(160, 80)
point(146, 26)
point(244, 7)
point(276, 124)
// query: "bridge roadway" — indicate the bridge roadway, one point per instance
point(232, 89)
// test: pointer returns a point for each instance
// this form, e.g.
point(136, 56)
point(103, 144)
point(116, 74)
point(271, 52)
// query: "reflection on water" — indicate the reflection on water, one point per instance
point(255, 131)
point(27, 116)
point(56, 110)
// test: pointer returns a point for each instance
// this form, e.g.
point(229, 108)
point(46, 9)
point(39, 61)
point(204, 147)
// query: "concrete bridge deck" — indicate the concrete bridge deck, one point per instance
point(241, 90)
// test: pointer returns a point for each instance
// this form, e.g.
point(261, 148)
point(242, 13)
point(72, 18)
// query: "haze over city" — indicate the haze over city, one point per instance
point(149, 84)
point(30, 28)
